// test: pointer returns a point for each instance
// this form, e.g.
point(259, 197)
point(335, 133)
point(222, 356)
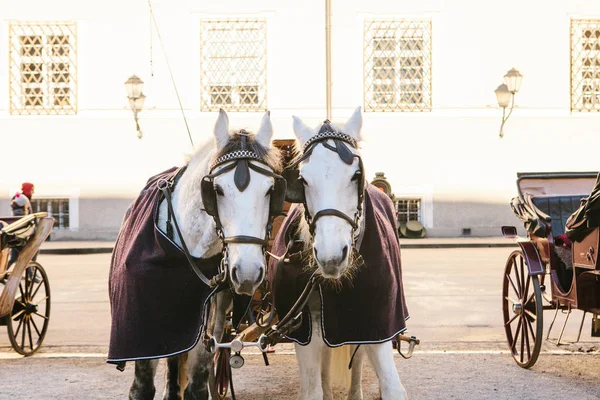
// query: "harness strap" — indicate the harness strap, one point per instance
point(264, 171)
point(352, 358)
point(167, 193)
point(291, 320)
point(332, 212)
point(245, 240)
point(169, 226)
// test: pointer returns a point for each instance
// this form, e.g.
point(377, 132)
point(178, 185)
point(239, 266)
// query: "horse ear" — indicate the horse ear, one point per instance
point(303, 132)
point(222, 129)
point(354, 124)
point(265, 132)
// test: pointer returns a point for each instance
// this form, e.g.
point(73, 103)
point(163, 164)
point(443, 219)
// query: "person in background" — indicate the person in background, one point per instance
point(21, 206)
point(21, 201)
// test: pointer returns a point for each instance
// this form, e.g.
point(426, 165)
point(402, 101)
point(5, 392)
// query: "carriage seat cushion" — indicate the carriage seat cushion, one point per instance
point(559, 208)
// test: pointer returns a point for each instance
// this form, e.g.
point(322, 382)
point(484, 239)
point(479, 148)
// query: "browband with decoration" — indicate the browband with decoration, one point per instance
point(235, 155)
point(327, 132)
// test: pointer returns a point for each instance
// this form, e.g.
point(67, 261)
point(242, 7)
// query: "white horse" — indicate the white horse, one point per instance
point(332, 184)
point(241, 214)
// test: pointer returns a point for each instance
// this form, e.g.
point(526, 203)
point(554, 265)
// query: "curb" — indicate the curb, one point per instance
point(77, 251)
point(455, 245)
point(108, 250)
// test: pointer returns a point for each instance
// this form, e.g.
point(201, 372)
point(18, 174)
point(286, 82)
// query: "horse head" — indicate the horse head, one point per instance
point(243, 193)
point(331, 179)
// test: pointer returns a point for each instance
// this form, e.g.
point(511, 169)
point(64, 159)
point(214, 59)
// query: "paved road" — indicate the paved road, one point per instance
point(431, 377)
point(453, 297)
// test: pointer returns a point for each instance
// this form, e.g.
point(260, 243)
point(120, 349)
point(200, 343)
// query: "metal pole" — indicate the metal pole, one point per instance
point(328, 56)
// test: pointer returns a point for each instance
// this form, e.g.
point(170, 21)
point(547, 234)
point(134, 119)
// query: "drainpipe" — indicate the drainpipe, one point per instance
point(328, 56)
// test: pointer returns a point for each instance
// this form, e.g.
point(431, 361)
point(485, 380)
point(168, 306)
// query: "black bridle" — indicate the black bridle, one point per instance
point(295, 192)
point(240, 160)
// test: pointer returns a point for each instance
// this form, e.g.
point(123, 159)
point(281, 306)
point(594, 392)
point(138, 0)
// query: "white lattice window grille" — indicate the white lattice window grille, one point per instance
point(55, 207)
point(408, 210)
point(43, 68)
point(397, 65)
point(233, 65)
point(585, 65)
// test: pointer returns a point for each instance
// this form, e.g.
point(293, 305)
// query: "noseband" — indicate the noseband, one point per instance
point(295, 192)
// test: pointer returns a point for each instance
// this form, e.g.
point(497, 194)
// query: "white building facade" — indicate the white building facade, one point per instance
point(424, 73)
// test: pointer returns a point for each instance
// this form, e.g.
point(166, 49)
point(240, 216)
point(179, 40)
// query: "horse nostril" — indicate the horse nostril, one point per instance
point(344, 252)
point(234, 276)
point(315, 251)
point(260, 275)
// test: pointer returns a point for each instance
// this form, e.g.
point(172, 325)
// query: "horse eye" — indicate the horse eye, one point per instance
point(219, 190)
point(356, 175)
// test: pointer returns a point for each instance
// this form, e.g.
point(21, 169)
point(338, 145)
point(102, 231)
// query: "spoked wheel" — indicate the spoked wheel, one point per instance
point(28, 322)
point(522, 309)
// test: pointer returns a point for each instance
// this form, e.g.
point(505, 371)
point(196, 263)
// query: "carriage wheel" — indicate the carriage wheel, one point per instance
point(28, 322)
point(522, 309)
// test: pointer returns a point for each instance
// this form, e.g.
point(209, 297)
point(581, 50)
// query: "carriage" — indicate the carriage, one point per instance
point(24, 287)
point(556, 267)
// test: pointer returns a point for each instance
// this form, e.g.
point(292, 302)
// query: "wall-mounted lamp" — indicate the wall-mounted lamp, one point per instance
point(505, 94)
point(134, 87)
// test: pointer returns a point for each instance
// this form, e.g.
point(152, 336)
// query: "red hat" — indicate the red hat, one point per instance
point(27, 188)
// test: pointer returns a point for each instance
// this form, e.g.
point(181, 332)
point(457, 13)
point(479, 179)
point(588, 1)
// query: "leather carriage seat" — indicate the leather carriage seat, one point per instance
point(559, 208)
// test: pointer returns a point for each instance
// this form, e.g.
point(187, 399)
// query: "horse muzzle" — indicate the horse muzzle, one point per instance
point(247, 280)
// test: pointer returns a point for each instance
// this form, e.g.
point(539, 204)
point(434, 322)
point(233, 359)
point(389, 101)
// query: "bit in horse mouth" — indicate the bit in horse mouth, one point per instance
point(355, 261)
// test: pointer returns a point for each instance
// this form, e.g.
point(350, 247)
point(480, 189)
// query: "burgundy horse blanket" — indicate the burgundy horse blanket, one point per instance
point(156, 300)
point(370, 307)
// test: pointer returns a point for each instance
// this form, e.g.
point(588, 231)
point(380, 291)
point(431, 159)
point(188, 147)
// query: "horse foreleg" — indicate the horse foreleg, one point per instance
point(355, 392)
point(142, 387)
point(326, 373)
point(200, 365)
point(310, 357)
point(175, 377)
point(381, 357)
point(309, 363)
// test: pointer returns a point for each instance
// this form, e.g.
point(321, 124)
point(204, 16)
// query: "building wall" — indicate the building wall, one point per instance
point(451, 156)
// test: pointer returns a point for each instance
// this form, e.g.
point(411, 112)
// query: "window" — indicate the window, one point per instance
point(55, 207)
point(408, 210)
point(43, 64)
point(397, 65)
point(585, 65)
point(233, 65)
